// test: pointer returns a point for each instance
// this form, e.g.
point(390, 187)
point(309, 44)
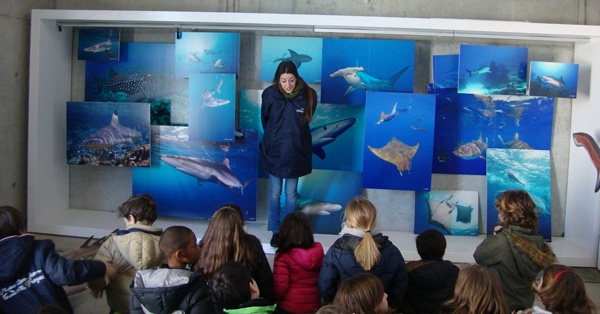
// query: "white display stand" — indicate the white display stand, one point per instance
point(50, 87)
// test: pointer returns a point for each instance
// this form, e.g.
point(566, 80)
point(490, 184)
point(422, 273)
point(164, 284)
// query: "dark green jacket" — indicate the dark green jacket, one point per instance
point(515, 255)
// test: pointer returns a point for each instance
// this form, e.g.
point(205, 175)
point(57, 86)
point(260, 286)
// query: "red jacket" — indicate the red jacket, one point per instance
point(296, 275)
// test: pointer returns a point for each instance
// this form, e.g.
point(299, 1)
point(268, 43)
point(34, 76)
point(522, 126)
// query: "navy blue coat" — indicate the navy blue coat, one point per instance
point(430, 284)
point(32, 275)
point(340, 264)
point(287, 142)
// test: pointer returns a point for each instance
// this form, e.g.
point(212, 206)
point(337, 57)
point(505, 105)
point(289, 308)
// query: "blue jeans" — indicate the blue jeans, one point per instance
point(275, 214)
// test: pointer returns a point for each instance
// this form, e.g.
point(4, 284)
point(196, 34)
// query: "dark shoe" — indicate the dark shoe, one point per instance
point(275, 240)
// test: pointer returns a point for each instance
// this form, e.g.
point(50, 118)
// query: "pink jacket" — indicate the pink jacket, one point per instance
point(296, 275)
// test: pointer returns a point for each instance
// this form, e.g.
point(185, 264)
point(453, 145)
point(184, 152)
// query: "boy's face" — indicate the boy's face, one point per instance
point(191, 253)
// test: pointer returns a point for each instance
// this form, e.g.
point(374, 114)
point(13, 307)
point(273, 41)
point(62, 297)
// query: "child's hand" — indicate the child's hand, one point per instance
point(497, 229)
point(111, 273)
point(97, 294)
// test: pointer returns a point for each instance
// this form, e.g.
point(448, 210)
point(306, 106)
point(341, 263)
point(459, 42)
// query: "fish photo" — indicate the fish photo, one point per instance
point(211, 112)
point(195, 178)
point(351, 67)
point(553, 79)
point(445, 71)
point(207, 52)
point(305, 52)
point(450, 212)
point(108, 134)
point(492, 70)
point(99, 44)
point(144, 74)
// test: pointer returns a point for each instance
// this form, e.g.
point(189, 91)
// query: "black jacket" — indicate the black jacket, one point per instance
point(430, 284)
point(287, 142)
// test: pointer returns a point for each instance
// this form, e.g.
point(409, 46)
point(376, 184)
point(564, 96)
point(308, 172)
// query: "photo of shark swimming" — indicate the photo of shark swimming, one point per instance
point(445, 71)
point(211, 113)
point(207, 52)
point(480, 122)
point(99, 44)
point(351, 67)
point(108, 134)
point(195, 178)
point(305, 52)
point(492, 70)
point(398, 150)
point(145, 73)
point(520, 169)
point(553, 79)
point(450, 212)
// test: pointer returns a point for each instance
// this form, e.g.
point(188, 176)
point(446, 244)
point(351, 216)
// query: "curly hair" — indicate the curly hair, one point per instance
point(517, 208)
point(562, 291)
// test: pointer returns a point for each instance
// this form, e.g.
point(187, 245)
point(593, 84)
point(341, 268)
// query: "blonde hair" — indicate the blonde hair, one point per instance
point(362, 214)
point(563, 291)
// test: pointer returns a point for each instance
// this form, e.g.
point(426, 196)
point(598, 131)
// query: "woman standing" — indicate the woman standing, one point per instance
point(287, 107)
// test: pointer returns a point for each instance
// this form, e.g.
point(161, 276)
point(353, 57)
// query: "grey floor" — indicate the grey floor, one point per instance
point(83, 302)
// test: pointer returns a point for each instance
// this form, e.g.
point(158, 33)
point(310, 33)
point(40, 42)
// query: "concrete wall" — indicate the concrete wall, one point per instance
point(14, 64)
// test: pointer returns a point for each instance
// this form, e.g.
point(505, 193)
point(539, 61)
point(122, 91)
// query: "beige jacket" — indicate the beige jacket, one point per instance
point(130, 250)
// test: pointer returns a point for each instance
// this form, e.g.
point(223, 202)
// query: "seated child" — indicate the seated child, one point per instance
point(130, 250)
point(431, 280)
point(234, 290)
point(332, 309)
point(32, 273)
point(174, 286)
point(363, 294)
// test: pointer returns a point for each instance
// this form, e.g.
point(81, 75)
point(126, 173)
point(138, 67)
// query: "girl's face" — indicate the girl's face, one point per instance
point(287, 82)
point(383, 306)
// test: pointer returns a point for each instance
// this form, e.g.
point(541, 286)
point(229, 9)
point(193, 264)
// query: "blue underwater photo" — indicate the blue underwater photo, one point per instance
point(445, 71)
point(492, 70)
point(353, 66)
point(144, 74)
point(211, 112)
point(305, 52)
point(518, 169)
point(398, 146)
point(99, 44)
point(553, 79)
point(108, 134)
point(206, 52)
point(478, 122)
point(449, 212)
point(194, 179)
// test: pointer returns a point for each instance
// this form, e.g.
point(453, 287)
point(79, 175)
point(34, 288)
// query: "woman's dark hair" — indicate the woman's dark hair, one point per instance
point(295, 232)
point(289, 67)
point(12, 222)
point(142, 207)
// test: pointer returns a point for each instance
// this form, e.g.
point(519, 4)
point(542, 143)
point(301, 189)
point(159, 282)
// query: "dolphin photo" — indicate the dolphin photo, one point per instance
point(305, 52)
point(445, 71)
point(108, 134)
point(479, 122)
point(450, 212)
point(492, 70)
point(205, 52)
point(519, 169)
point(398, 145)
point(144, 74)
point(211, 112)
point(193, 179)
point(353, 66)
point(99, 44)
point(553, 79)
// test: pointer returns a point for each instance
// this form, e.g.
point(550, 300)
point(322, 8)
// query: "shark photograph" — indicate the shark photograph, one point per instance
point(99, 44)
point(450, 212)
point(108, 134)
point(553, 79)
point(194, 178)
point(211, 112)
point(206, 52)
point(445, 71)
point(327, 133)
point(352, 67)
point(305, 52)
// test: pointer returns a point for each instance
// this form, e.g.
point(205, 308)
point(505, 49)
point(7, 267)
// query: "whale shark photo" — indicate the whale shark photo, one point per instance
point(305, 52)
point(98, 44)
point(111, 134)
point(206, 52)
point(553, 79)
point(450, 212)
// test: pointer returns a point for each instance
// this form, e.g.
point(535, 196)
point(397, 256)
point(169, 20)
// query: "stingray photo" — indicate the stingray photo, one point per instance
point(98, 44)
point(520, 169)
point(450, 212)
point(211, 115)
point(108, 134)
point(445, 71)
point(323, 195)
point(200, 52)
point(352, 67)
point(492, 70)
point(553, 79)
point(479, 122)
point(305, 52)
point(398, 146)
point(144, 74)
point(193, 179)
